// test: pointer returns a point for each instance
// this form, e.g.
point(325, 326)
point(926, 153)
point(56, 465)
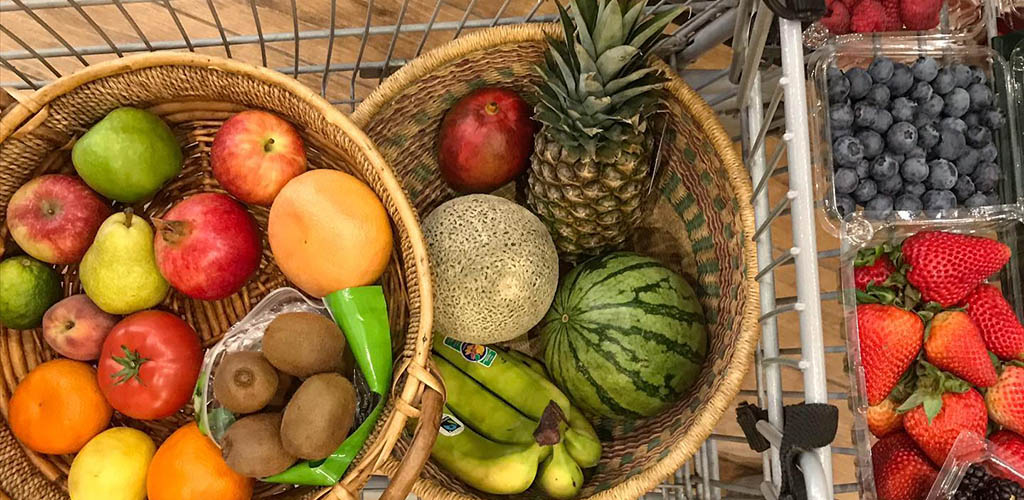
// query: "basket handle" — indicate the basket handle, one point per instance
point(413, 462)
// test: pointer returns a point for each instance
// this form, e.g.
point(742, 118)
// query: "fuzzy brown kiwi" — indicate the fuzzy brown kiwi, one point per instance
point(304, 344)
point(319, 416)
point(286, 384)
point(252, 446)
point(244, 382)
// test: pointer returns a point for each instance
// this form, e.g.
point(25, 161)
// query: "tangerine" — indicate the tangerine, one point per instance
point(189, 466)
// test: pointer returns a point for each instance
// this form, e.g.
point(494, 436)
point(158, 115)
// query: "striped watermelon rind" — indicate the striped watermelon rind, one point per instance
point(625, 336)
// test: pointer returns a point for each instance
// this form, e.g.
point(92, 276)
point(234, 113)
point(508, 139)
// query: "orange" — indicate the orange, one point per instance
point(58, 407)
point(188, 466)
point(329, 231)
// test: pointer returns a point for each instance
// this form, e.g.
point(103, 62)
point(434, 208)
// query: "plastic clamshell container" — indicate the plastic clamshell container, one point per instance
point(970, 449)
point(1004, 223)
point(859, 51)
point(963, 18)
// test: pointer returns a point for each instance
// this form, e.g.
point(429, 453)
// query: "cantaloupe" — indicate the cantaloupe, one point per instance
point(494, 265)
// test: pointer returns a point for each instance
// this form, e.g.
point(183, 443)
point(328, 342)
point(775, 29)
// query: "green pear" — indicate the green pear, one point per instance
point(119, 271)
point(128, 155)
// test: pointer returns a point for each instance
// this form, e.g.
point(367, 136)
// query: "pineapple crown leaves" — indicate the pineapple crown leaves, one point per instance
point(932, 383)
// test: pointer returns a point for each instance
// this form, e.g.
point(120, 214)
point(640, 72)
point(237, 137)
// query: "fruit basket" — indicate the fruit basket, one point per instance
point(195, 94)
point(699, 226)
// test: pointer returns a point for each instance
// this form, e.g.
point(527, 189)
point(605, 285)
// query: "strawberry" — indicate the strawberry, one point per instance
point(872, 268)
point(837, 17)
point(1005, 399)
point(892, 15)
point(890, 339)
point(1000, 329)
point(1009, 447)
point(920, 14)
point(953, 343)
point(945, 267)
point(883, 419)
point(902, 471)
point(940, 409)
point(868, 17)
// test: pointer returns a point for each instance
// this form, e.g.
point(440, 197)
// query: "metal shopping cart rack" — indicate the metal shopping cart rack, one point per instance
point(345, 48)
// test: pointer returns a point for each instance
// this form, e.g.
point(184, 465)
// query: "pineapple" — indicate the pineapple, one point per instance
point(591, 168)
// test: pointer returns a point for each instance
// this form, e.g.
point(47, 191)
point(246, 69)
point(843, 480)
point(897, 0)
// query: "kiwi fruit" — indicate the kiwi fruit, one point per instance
point(244, 382)
point(252, 446)
point(319, 416)
point(304, 344)
point(285, 385)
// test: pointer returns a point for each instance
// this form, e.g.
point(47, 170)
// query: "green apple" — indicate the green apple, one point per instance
point(128, 155)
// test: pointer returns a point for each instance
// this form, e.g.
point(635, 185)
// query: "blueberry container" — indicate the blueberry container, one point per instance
point(912, 108)
point(1005, 223)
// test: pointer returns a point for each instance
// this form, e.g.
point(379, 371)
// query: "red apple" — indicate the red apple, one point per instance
point(486, 140)
point(76, 327)
point(254, 154)
point(55, 217)
point(207, 246)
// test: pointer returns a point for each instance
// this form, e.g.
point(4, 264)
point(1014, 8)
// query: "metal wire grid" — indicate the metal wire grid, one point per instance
point(348, 50)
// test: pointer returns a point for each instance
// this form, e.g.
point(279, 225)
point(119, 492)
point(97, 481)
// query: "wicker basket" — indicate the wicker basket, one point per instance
point(195, 94)
point(701, 225)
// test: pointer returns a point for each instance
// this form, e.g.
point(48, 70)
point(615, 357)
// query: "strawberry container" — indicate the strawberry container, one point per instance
point(1004, 223)
point(859, 51)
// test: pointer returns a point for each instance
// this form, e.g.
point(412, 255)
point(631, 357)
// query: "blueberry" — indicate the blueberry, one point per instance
point(963, 188)
point(921, 119)
point(952, 123)
point(943, 81)
point(847, 151)
point(980, 96)
point(976, 200)
point(986, 176)
point(908, 202)
point(903, 109)
point(845, 180)
point(883, 121)
point(864, 114)
point(993, 198)
point(951, 144)
point(921, 92)
point(916, 151)
point(838, 85)
point(961, 75)
point(941, 175)
point(992, 118)
point(971, 119)
point(891, 186)
point(988, 152)
point(841, 115)
point(925, 68)
point(871, 141)
point(914, 170)
point(901, 81)
point(860, 82)
point(863, 169)
point(841, 132)
point(881, 204)
point(879, 95)
point(881, 69)
point(901, 137)
point(866, 190)
point(927, 136)
point(914, 188)
point(938, 199)
point(884, 167)
point(899, 158)
point(978, 136)
point(967, 161)
point(978, 75)
point(845, 204)
point(956, 102)
point(932, 107)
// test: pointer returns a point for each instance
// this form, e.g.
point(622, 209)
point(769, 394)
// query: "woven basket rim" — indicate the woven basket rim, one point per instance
point(415, 375)
point(708, 417)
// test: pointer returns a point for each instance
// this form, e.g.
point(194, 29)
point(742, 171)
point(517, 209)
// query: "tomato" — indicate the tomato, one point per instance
point(149, 365)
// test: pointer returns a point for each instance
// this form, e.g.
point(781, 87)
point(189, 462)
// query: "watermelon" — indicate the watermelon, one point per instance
point(625, 336)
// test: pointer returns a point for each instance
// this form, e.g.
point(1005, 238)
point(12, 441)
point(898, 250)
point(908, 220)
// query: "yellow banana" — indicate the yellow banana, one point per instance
point(560, 476)
point(482, 410)
point(496, 468)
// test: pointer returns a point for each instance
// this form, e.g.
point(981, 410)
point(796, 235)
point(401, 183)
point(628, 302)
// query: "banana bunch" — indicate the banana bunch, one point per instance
point(505, 426)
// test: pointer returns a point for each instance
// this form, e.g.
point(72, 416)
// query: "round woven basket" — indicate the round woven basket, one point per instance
point(700, 225)
point(195, 94)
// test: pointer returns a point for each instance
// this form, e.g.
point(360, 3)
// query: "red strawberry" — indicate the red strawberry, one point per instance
point(872, 271)
point(883, 419)
point(890, 339)
point(1009, 447)
point(868, 17)
point(902, 471)
point(892, 15)
point(837, 17)
point(920, 14)
point(1000, 329)
point(953, 343)
point(935, 434)
point(1005, 399)
point(945, 267)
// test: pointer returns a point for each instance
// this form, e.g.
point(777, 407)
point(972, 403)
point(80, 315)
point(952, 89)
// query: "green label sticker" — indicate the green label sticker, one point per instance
point(450, 426)
point(474, 353)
